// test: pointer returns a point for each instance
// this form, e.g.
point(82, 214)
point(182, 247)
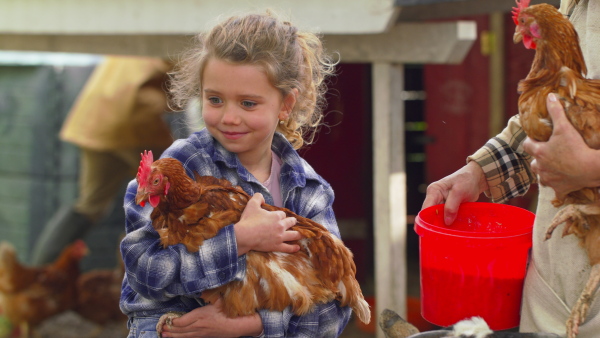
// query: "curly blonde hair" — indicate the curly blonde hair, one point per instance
point(290, 59)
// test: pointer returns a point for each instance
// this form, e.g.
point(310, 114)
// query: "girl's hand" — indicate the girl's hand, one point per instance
point(262, 230)
point(464, 185)
point(209, 321)
point(565, 162)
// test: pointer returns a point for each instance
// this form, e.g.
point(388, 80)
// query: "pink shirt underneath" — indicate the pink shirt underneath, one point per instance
point(272, 183)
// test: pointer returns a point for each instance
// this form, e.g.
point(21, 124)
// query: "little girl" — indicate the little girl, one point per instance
point(261, 85)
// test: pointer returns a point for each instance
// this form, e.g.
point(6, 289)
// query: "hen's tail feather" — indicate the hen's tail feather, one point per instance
point(356, 300)
point(7, 255)
point(8, 261)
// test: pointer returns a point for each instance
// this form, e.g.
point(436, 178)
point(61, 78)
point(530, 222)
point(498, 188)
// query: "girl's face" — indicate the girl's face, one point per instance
point(241, 109)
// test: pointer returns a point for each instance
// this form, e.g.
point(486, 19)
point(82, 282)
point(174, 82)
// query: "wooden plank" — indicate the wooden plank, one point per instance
point(419, 11)
point(442, 42)
point(497, 74)
point(390, 189)
point(115, 17)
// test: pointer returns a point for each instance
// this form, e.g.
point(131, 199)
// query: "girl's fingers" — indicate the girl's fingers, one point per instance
point(289, 222)
point(291, 235)
point(257, 198)
point(288, 248)
point(281, 214)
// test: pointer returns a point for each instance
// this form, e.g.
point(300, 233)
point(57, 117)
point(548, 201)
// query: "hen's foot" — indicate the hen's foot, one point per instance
point(580, 310)
point(572, 215)
point(167, 319)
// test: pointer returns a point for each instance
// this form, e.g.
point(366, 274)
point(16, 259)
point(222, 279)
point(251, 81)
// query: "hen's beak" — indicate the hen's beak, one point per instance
point(141, 197)
point(518, 37)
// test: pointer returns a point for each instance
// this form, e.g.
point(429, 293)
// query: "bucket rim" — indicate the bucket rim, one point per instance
point(522, 231)
point(467, 234)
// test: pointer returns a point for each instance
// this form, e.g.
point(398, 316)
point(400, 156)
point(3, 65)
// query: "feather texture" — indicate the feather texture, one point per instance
point(29, 295)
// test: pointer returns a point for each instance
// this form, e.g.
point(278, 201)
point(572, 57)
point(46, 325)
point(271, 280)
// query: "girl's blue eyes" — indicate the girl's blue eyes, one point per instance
point(216, 101)
point(248, 104)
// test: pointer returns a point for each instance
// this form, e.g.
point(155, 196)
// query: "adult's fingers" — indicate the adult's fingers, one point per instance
point(556, 111)
point(530, 146)
point(535, 168)
point(451, 208)
point(432, 198)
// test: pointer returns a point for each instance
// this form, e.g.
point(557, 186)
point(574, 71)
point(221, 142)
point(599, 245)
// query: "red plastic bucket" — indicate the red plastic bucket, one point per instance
point(475, 266)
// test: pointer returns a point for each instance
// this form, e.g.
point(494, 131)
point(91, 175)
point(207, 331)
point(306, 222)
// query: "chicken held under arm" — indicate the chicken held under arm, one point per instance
point(189, 211)
point(559, 67)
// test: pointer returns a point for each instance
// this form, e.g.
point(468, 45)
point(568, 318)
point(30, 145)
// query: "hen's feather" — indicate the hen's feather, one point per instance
point(98, 295)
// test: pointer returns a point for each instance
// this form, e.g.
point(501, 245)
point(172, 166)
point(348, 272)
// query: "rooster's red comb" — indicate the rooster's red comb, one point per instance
point(516, 10)
point(144, 168)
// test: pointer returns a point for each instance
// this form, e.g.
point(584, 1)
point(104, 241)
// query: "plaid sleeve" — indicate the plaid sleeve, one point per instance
point(326, 320)
point(505, 163)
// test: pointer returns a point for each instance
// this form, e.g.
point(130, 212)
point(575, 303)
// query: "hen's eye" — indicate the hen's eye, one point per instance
point(156, 180)
point(522, 20)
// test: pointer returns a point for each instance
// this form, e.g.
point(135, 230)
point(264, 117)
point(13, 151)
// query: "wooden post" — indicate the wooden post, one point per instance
point(390, 189)
point(497, 95)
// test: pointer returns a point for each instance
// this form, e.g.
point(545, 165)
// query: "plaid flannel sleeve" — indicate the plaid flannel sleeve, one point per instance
point(505, 163)
point(326, 320)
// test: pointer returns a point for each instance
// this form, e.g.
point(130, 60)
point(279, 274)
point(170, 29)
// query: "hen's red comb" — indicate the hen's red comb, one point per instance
point(516, 10)
point(144, 168)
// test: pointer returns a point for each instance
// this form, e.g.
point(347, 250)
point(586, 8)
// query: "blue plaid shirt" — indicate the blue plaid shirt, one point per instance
point(158, 280)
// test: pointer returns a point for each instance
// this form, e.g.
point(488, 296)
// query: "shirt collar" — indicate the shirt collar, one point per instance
point(295, 171)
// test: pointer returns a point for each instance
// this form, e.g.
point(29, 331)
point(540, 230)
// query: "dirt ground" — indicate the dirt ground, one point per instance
point(70, 325)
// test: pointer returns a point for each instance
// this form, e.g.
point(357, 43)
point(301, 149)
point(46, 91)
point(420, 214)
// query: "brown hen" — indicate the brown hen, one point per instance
point(98, 295)
point(29, 295)
point(190, 211)
point(558, 67)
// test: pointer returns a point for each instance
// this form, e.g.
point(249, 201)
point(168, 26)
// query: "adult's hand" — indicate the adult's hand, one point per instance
point(464, 185)
point(565, 162)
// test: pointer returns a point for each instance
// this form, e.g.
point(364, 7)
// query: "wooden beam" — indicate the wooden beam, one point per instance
point(455, 9)
point(446, 42)
point(441, 42)
point(389, 207)
point(181, 17)
point(497, 74)
point(141, 45)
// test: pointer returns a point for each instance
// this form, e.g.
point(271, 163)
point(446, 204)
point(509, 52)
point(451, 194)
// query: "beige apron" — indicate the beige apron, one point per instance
point(559, 267)
point(557, 273)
